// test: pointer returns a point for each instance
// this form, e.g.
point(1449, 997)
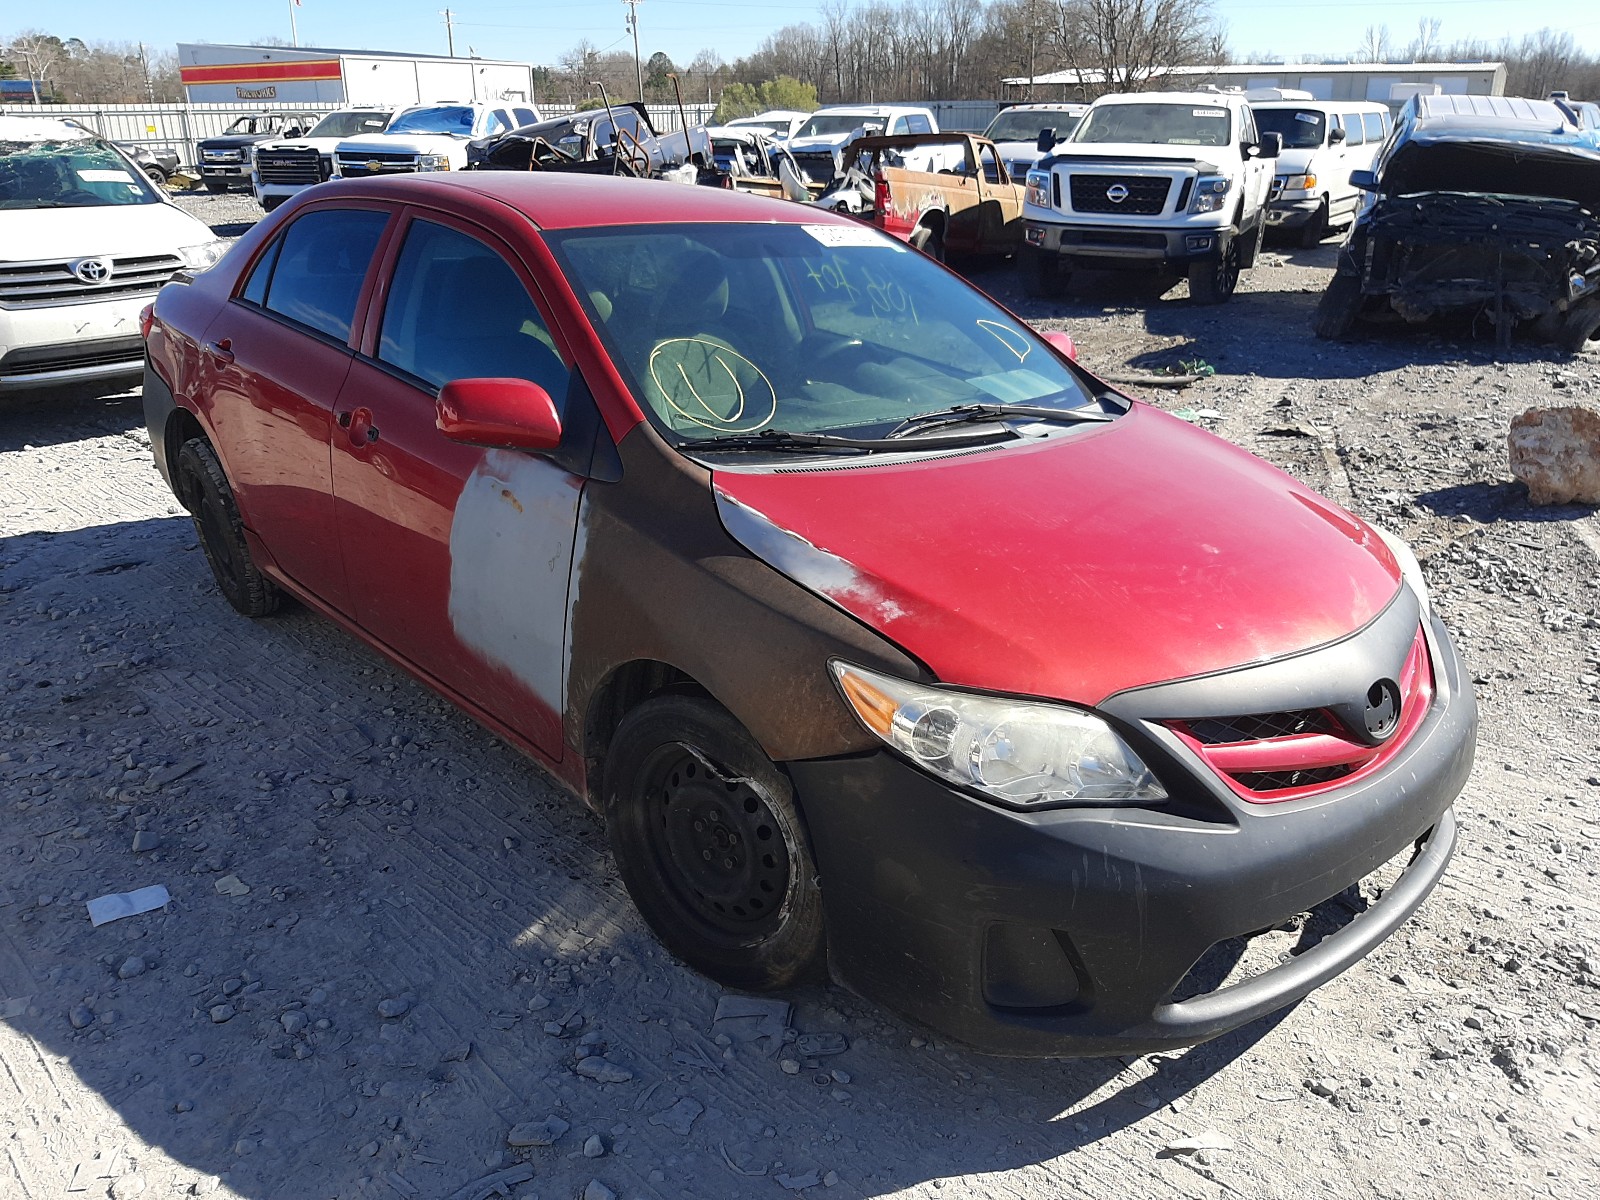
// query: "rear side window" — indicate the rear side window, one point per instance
point(255, 288)
point(1373, 123)
point(1354, 135)
point(456, 310)
point(917, 123)
point(524, 116)
point(317, 269)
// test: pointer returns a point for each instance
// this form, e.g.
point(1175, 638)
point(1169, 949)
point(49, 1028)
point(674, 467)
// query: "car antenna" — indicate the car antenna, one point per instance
point(616, 133)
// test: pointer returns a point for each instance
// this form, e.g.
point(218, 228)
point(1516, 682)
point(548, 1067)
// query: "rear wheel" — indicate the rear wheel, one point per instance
point(930, 241)
point(1314, 230)
point(1215, 280)
point(710, 844)
point(205, 492)
point(1339, 306)
point(1043, 276)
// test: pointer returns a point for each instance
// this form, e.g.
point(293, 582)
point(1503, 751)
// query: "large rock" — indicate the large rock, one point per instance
point(1556, 452)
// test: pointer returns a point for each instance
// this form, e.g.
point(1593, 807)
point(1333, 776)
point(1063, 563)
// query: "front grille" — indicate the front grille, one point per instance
point(222, 156)
point(1147, 195)
point(293, 167)
point(816, 167)
point(44, 284)
point(358, 166)
point(1114, 237)
point(1278, 781)
point(69, 356)
point(1224, 730)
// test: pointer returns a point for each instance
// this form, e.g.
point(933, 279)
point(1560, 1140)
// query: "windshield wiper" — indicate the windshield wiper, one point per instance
point(961, 414)
point(782, 440)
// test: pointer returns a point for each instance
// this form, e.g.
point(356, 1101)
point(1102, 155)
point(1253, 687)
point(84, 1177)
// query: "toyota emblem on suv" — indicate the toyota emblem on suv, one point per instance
point(92, 270)
point(1117, 193)
point(1383, 709)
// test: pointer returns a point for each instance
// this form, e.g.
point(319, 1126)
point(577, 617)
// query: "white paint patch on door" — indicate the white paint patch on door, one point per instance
point(510, 558)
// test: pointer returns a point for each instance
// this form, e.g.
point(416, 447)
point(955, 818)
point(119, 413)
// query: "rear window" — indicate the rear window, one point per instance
point(917, 123)
point(318, 269)
point(1374, 126)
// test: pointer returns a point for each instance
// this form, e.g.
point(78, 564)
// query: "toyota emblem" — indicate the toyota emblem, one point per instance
point(1117, 193)
point(92, 270)
point(1382, 709)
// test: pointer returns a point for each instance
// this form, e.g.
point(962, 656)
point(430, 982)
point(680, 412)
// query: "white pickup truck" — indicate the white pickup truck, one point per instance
point(818, 144)
point(282, 168)
point(428, 137)
point(1166, 181)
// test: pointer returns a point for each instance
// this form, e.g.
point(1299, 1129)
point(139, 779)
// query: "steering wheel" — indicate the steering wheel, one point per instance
point(79, 196)
point(835, 354)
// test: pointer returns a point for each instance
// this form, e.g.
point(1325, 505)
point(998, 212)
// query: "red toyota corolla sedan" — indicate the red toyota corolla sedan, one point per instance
point(887, 640)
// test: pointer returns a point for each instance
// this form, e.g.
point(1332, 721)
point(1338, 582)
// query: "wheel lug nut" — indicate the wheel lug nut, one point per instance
point(728, 863)
point(706, 854)
point(699, 826)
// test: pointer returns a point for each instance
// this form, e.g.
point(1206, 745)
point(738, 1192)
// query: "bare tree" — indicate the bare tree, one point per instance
point(1425, 46)
point(1374, 45)
point(1125, 45)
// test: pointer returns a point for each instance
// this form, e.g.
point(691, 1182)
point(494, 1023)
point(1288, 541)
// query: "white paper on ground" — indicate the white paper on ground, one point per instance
point(127, 904)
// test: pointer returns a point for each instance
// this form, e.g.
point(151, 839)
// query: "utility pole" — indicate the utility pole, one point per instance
point(450, 30)
point(633, 24)
point(294, 32)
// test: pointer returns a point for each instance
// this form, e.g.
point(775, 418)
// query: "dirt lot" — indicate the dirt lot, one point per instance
point(431, 931)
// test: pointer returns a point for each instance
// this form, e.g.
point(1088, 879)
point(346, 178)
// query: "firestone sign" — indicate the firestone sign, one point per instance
point(257, 93)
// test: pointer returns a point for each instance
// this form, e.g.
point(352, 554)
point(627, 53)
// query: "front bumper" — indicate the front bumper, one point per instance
point(1291, 214)
point(59, 345)
point(1066, 932)
point(1114, 247)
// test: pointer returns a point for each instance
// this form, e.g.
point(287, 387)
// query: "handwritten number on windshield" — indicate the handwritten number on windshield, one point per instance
point(886, 296)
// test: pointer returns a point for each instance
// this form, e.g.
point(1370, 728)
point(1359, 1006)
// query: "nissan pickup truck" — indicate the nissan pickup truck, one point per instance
point(969, 207)
point(1173, 182)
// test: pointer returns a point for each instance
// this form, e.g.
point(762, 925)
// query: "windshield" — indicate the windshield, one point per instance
point(349, 124)
point(1302, 129)
point(1155, 124)
point(1026, 126)
point(69, 174)
point(740, 329)
point(453, 118)
point(765, 126)
point(827, 124)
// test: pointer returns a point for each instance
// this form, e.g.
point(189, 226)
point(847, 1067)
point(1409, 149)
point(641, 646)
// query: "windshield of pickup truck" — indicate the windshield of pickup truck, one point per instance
point(252, 125)
point(828, 124)
point(1026, 125)
point(745, 329)
point(1302, 129)
point(454, 118)
point(1156, 124)
point(349, 124)
point(80, 173)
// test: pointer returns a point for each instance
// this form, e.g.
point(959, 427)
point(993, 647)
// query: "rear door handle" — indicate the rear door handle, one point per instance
point(221, 350)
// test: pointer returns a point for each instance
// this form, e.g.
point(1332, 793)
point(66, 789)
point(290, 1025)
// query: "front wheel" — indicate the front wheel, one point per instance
point(1042, 275)
point(1215, 280)
point(1580, 331)
point(1314, 230)
point(216, 186)
point(1340, 305)
point(709, 841)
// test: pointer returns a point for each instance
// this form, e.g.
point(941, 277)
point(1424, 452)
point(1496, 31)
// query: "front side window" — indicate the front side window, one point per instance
point(499, 122)
point(917, 123)
point(456, 310)
point(1148, 124)
point(525, 116)
point(70, 173)
point(320, 265)
point(733, 329)
point(1302, 129)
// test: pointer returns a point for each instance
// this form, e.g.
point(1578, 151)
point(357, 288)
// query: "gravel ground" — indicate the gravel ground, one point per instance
point(397, 961)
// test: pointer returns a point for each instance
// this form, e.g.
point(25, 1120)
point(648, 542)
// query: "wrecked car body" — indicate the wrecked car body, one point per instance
point(1483, 206)
point(750, 160)
point(619, 140)
point(889, 642)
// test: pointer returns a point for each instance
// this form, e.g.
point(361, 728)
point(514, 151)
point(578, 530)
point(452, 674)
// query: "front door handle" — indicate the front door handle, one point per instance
point(221, 350)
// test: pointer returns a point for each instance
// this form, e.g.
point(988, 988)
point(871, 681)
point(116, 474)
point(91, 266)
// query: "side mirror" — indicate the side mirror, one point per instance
point(1271, 145)
point(1047, 141)
point(1063, 342)
point(1335, 136)
point(511, 414)
point(1366, 181)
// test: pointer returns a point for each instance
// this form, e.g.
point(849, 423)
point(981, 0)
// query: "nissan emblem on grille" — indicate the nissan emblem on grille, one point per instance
point(92, 270)
point(1117, 193)
point(1383, 709)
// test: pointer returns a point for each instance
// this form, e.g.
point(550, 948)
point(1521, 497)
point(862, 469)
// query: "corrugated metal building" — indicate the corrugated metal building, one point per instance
point(1385, 83)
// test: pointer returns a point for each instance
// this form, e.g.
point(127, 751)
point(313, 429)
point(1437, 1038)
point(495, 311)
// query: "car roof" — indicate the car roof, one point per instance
point(573, 200)
point(1342, 105)
point(870, 110)
point(1057, 106)
point(1200, 99)
point(1475, 110)
point(40, 129)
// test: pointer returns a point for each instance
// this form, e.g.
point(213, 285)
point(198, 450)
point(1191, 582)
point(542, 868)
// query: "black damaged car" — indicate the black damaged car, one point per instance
point(1486, 207)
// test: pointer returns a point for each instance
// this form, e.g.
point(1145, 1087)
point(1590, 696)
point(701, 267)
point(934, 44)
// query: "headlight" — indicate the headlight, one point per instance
point(1410, 569)
point(1299, 183)
point(206, 254)
point(433, 162)
point(1039, 188)
point(1020, 753)
point(1210, 193)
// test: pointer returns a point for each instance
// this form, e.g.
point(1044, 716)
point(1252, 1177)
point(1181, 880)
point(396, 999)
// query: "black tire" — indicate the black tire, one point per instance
point(1340, 305)
point(685, 782)
point(930, 241)
point(1314, 230)
point(216, 186)
point(268, 203)
point(204, 490)
point(156, 175)
point(1216, 279)
point(1043, 277)
point(1580, 331)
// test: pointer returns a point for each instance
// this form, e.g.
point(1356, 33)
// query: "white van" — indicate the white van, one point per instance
point(1323, 141)
point(86, 240)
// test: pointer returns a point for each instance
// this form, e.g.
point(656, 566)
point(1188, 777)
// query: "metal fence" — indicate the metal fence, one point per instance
point(180, 126)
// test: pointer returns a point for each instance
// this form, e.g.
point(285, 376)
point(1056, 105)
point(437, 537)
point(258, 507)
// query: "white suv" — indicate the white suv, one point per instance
point(428, 137)
point(1323, 141)
point(86, 240)
point(1166, 181)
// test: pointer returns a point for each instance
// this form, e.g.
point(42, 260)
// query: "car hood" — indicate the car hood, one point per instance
point(233, 141)
point(117, 230)
point(1494, 163)
point(402, 143)
point(829, 141)
point(324, 144)
point(1293, 162)
point(1092, 562)
point(1205, 158)
point(1013, 151)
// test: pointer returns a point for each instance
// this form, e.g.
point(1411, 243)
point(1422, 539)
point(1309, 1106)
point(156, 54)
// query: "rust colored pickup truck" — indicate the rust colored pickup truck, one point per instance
point(941, 192)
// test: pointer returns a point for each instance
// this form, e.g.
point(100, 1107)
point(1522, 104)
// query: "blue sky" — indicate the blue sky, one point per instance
point(540, 30)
